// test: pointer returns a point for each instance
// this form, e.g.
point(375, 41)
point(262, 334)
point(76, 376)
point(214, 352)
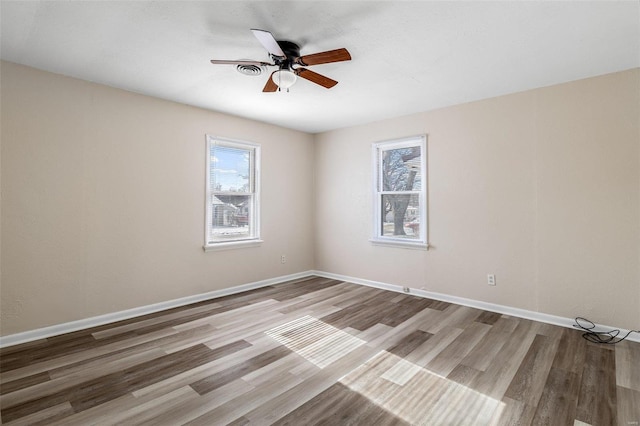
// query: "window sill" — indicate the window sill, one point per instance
point(413, 245)
point(232, 245)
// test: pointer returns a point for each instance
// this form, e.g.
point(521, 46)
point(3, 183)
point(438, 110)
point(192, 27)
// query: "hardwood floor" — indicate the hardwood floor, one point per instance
point(320, 351)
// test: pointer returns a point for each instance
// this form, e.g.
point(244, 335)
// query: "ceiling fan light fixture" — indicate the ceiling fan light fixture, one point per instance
point(284, 79)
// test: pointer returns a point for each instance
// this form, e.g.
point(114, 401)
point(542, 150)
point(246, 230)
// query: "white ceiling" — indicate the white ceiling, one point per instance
point(408, 56)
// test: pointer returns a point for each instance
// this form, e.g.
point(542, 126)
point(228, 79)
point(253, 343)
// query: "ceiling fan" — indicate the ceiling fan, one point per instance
point(286, 56)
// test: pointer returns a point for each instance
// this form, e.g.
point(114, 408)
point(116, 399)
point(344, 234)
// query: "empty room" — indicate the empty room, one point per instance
point(320, 212)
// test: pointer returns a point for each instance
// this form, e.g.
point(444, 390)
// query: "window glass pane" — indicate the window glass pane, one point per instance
point(230, 169)
point(231, 217)
point(400, 216)
point(233, 193)
point(401, 169)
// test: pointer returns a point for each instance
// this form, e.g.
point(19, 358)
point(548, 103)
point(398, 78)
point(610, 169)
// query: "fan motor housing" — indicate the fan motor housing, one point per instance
point(291, 49)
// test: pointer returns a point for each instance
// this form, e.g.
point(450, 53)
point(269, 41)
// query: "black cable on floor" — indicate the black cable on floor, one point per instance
point(606, 337)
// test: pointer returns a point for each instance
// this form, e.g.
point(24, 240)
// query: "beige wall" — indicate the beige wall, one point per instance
point(541, 188)
point(103, 201)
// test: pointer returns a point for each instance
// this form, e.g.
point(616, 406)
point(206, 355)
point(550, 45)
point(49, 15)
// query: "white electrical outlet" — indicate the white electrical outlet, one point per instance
point(406, 289)
point(283, 259)
point(491, 279)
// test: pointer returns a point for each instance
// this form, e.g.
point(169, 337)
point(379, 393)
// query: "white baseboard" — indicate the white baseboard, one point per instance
point(58, 329)
point(492, 307)
point(54, 330)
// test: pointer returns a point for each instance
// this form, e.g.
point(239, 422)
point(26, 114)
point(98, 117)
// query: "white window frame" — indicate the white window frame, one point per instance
point(377, 235)
point(254, 225)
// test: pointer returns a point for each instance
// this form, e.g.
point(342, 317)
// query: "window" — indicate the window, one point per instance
point(233, 196)
point(400, 201)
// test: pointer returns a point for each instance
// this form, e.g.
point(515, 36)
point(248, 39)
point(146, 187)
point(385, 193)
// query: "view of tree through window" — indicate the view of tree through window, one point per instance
point(400, 174)
point(399, 193)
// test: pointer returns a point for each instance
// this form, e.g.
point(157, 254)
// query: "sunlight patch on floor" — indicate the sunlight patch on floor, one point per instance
point(419, 396)
point(406, 390)
point(315, 340)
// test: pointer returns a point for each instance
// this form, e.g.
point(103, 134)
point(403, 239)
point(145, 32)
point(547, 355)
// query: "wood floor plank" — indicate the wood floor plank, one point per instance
point(146, 411)
point(495, 380)
point(217, 380)
point(234, 410)
point(105, 388)
point(464, 375)
point(372, 334)
point(288, 401)
point(627, 356)
point(528, 382)
point(100, 414)
point(194, 409)
point(46, 416)
point(401, 331)
point(597, 396)
point(320, 351)
point(431, 348)
point(271, 372)
point(24, 382)
point(628, 406)
point(484, 353)
point(134, 344)
point(153, 321)
point(407, 345)
point(571, 353)
point(326, 295)
point(45, 351)
point(205, 370)
point(488, 318)
point(339, 405)
point(111, 355)
point(45, 389)
point(454, 353)
point(558, 403)
point(456, 316)
point(511, 413)
point(231, 318)
point(358, 296)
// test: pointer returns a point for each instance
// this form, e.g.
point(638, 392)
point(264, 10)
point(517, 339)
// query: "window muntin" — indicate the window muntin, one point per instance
point(232, 202)
point(400, 192)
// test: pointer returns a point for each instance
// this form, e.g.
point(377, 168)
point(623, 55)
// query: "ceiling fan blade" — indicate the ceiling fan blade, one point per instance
point(337, 55)
point(315, 78)
point(270, 86)
point(269, 42)
point(225, 62)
